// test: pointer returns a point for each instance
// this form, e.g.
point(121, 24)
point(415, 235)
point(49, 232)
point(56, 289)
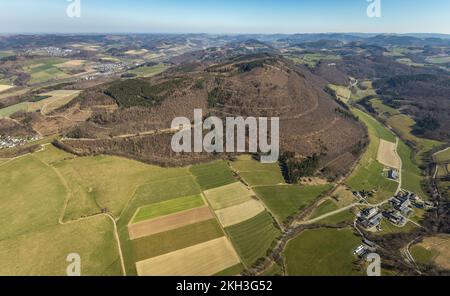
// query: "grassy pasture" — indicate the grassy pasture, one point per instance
point(342, 92)
point(312, 59)
point(8, 111)
point(343, 217)
point(148, 71)
point(32, 242)
point(326, 207)
point(55, 100)
point(4, 87)
point(443, 156)
point(411, 175)
point(438, 59)
point(212, 175)
point(403, 125)
point(433, 250)
point(369, 173)
point(168, 207)
point(422, 255)
point(382, 109)
point(322, 252)
point(6, 53)
point(253, 237)
point(286, 200)
point(31, 198)
point(44, 252)
point(256, 173)
point(442, 171)
point(111, 182)
point(228, 195)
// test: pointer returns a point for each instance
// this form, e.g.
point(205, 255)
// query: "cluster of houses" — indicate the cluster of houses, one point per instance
point(366, 248)
point(11, 142)
point(51, 51)
point(109, 67)
point(400, 208)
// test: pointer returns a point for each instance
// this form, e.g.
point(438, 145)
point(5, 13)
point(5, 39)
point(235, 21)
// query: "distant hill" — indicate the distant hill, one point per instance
point(259, 85)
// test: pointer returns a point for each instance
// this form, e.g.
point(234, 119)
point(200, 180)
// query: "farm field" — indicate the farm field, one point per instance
point(439, 59)
point(44, 251)
point(253, 238)
point(36, 237)
point(286, 200)
point(326, 207)
point(168, 207)
point(411, 174)
point(8, 111)
point(111, 182)
point(170, 222)
point(342, 92)
point(148, 71)
point(442, 171)
point(6, 53)
point(56, 99)
point(42, 199)
point(45, 69)
point(387, 155)
point(255, 173)
point(369, 173)
point(212, 175)
point(323, 252)
point(228, 196)
point(203, 259)
point(382, 109)
point(136, 52)
point(403, 125)
point(239, 213)
point(362, 91)
point(232, 271)
point(409, 62)
point(4, 87)
point(433, 250)
point(329, 206)
point(443, 156)
point(343, 217)
point(311, 59)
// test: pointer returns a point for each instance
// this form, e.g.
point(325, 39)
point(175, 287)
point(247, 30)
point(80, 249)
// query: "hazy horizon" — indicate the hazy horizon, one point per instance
point(224, 17)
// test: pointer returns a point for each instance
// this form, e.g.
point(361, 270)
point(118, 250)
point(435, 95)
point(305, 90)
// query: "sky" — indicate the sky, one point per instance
point(224, 16)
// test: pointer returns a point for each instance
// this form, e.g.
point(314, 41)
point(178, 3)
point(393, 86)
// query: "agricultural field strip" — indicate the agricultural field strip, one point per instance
point(170, 222)
point(239, 213)
point(168, 207)
point(199, 260)
point(387, 154)
point(228, 195)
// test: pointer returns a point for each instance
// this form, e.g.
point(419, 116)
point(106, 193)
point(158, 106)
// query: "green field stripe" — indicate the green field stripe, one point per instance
point(212, 175)
point(253, 238)
point(168, 207)
point(177, 239)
